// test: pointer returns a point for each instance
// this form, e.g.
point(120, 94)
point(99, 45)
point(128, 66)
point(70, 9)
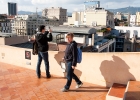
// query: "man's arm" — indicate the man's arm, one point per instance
point(74, 53)
point(49, 35)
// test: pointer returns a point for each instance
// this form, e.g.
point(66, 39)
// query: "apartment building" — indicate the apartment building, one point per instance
point(96, 17)
point(128, 39)
point(5, 24)
point(57, 12)
point(132, 20)
point(123, 19)
point(118, 16)
point(138, 18)
point(27, 24)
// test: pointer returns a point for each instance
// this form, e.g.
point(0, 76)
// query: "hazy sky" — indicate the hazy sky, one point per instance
point(71, 5)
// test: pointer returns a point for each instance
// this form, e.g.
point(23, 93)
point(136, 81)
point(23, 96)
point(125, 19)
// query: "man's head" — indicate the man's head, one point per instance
point(70, 37)
point(42, 29)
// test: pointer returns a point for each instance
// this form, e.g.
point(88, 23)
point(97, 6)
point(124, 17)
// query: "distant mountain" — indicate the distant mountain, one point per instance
point(27, 13)
point(131, 10)
point(40, 13)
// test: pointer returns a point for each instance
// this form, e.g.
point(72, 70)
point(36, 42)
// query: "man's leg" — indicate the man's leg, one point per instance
point(69, 75)
point(46, 61)
point(76, 79)
point(38, 71)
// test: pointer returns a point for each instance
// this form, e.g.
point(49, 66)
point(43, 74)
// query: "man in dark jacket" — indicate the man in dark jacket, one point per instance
point(42, 39)
point(71, 62)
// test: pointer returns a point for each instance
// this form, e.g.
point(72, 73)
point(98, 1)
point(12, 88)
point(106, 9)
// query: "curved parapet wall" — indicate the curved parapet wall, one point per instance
point(97, 68)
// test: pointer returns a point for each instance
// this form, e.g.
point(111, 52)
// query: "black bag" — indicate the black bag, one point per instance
point(35, 47)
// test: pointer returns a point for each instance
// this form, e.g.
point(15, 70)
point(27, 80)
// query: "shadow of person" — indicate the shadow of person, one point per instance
point(116, 71)
point(58, 57)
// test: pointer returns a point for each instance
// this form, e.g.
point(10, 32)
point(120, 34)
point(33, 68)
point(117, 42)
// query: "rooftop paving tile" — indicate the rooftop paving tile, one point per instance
point(17, 83)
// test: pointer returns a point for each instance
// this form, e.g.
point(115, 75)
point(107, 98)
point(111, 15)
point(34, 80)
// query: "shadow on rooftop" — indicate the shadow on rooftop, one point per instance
point(58, 57)
point(116, 71)
point(88, 90)
point(92, 87)
point(54, 77)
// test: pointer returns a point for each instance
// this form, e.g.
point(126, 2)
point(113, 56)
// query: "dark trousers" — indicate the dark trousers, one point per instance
point(44, 56)
point(70, 75)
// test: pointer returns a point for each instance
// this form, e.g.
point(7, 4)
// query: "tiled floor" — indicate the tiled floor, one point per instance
point(117, 90)
point(18, 83)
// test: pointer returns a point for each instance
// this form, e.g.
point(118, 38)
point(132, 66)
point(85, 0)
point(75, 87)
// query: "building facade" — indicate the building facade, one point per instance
point(132, 20)
point(130, 41)
point(118, 16)
point(12, 8)
point(59, 13)
point(97, 17)
point(123, 19)
point(138, 18)
point(5, 24)
point(27, 24)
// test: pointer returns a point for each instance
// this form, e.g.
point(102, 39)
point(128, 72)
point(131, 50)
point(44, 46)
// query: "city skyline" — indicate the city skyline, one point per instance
point(71, 5)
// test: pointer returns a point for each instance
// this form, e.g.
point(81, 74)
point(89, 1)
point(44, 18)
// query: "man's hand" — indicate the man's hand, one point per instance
point(32, 39)
point(50, 31)
point(63, 59)
point(73, 67)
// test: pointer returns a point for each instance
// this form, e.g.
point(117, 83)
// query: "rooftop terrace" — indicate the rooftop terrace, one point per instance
point(120, 71)
point(18, 83)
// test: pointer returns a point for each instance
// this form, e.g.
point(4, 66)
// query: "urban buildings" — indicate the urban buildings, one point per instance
point(12, 8)
point(122, 19)
point(138, 18)
point(56, 12)
point(93, 15)
point(132, 20)
point(27, 24)
point(118, 16)
point(5, 24)
point(127, 39)
point(88, 38)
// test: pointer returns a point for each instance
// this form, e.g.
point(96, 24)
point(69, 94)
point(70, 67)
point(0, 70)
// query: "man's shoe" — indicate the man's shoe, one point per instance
point(39, 77)
point(64, 90)
point(79, 85)
point(49, 76)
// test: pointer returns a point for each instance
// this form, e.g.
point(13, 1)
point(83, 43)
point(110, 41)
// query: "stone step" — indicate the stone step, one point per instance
point(116, 92)
point(133, 91)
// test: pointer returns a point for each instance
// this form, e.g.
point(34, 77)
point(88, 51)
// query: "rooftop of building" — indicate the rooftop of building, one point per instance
point(7, 34)
point(29, 45)
point(11, 17)
point(21, 83)
point(18, 80)
point(75, 29)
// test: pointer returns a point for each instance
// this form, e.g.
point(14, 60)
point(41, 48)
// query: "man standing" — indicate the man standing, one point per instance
point(42, 39)
point(71, 62)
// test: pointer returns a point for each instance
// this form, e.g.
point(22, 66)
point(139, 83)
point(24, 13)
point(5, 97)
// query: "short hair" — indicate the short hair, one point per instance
point(41, 27)
point(70, 34)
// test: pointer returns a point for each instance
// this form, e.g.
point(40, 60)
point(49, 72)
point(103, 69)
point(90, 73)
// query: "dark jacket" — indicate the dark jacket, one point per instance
point(71, 53)
point(42, 41)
